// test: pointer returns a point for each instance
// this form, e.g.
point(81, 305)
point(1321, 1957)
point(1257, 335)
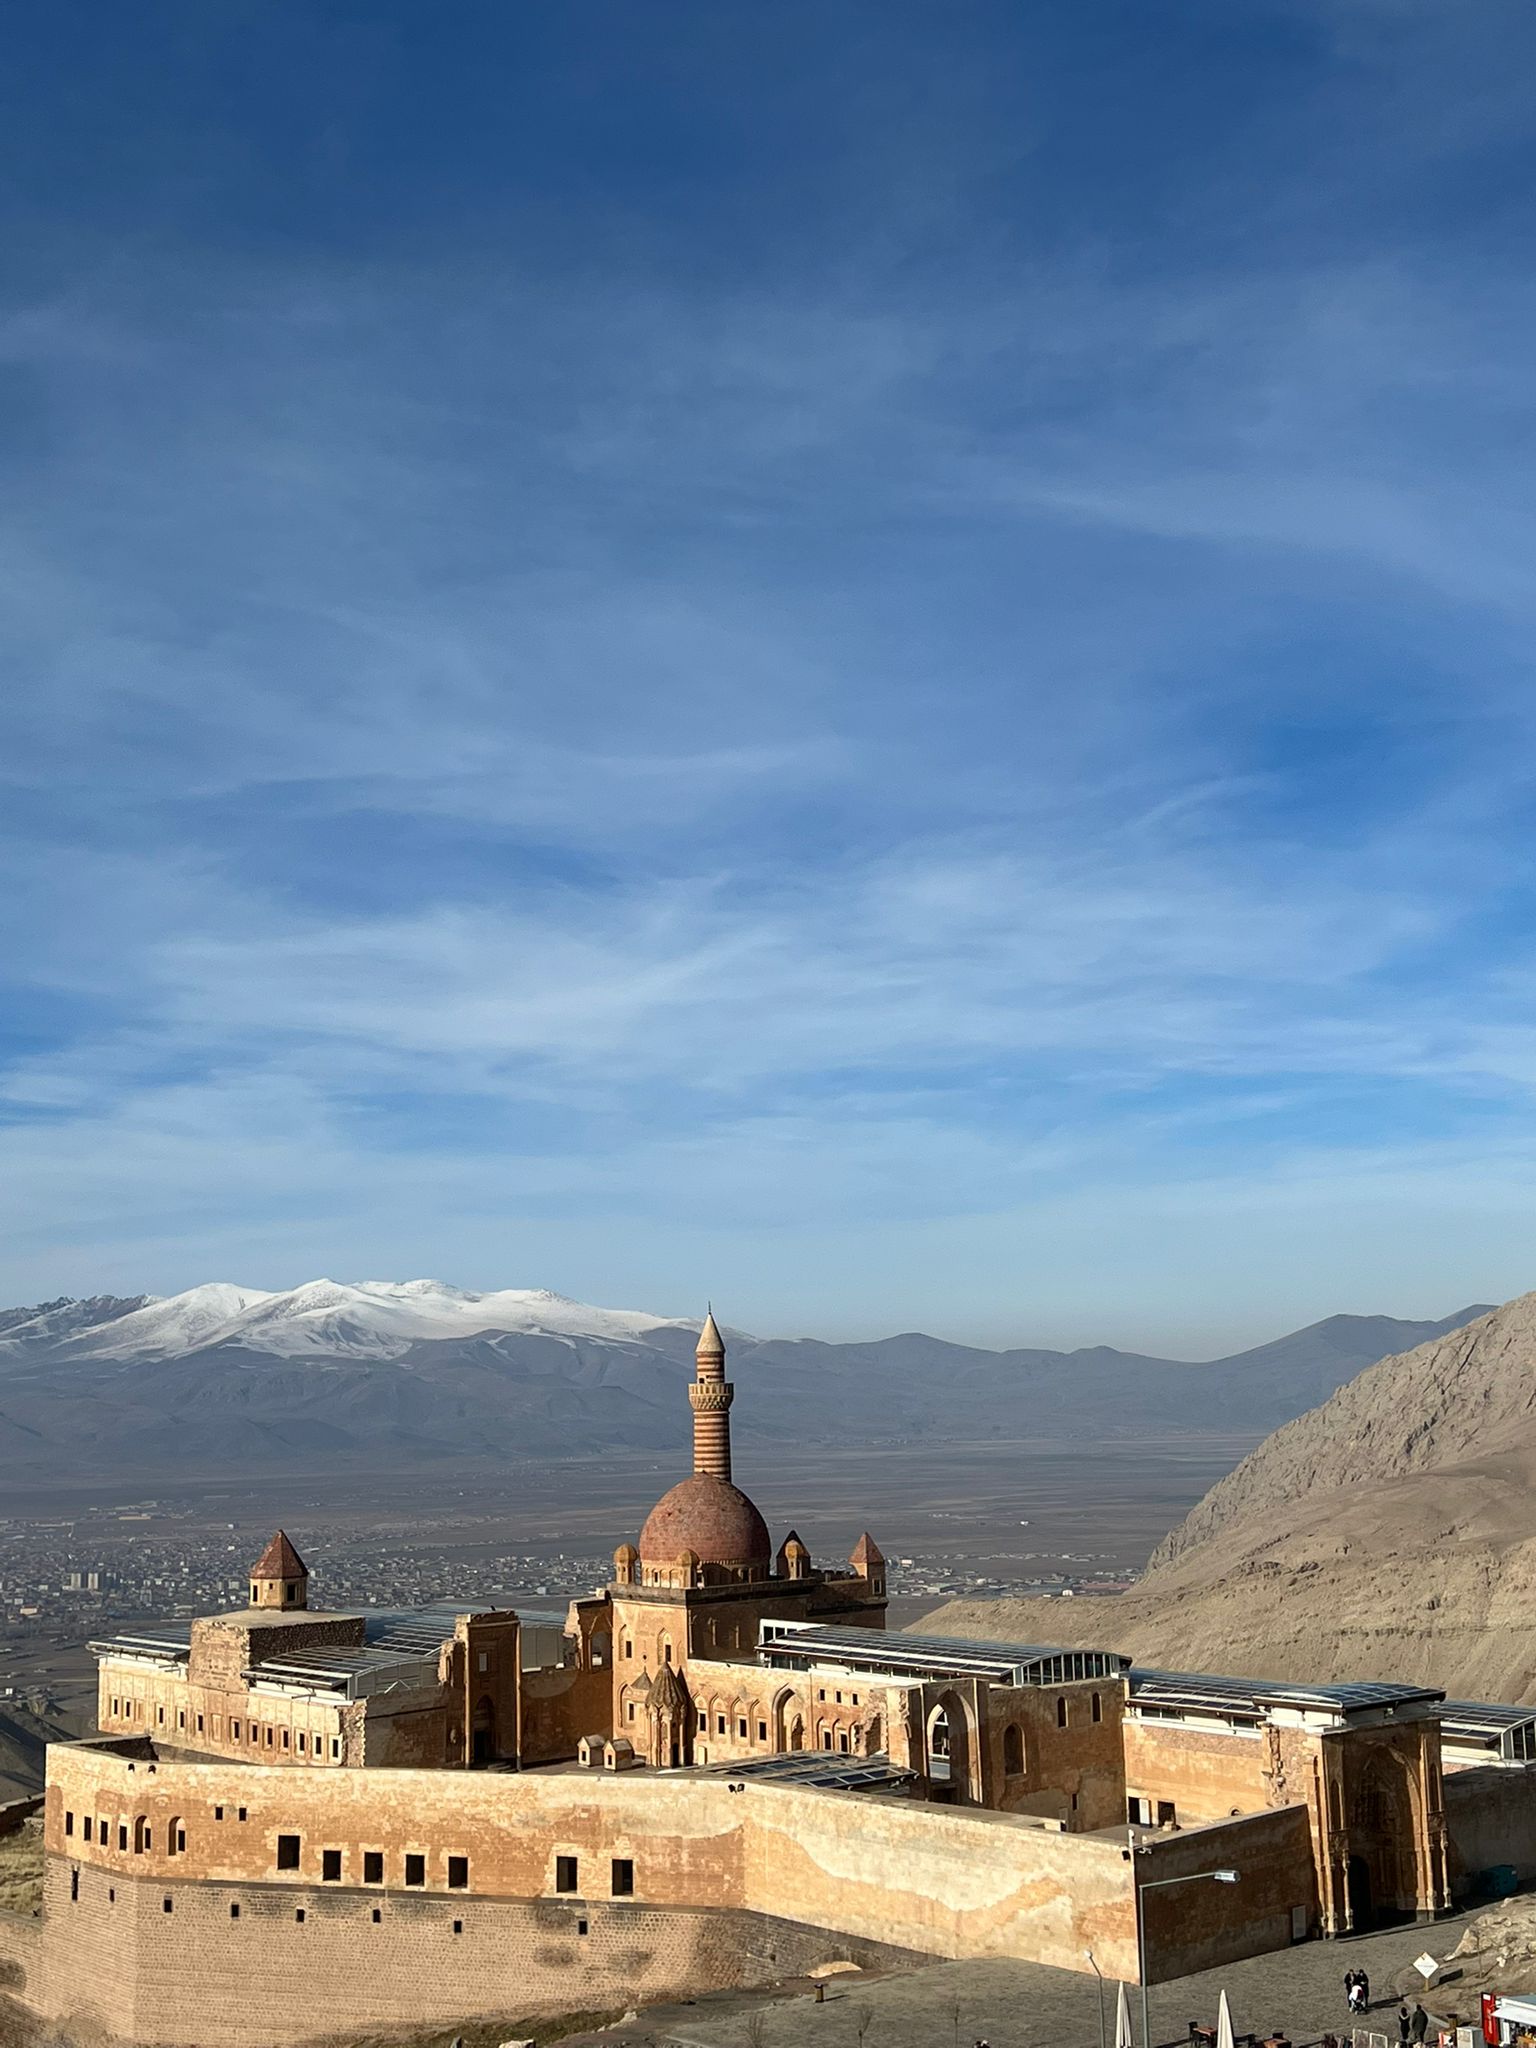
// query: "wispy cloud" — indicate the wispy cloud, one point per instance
point(909, 697)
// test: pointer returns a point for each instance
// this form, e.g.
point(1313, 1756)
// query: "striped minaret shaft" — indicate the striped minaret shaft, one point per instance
point(710, 1398)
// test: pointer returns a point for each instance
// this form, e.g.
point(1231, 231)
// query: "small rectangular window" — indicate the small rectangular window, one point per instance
point(287, 1852)
point(122, 1835)
point(298, 1914)
point(373, 1866)
point(415, 1869)
point(199, 1724)
point(458, 1926)
point(74, 1886)
point(565, 1873)
point(160, 1717)
point(335, 1747)
point(741, 1729)
point(581, 1926)
point(218, 1813)
point(630, 1712)
point(1098, 1708)
point(762, 1731)
point(377, 1916)
point(1061, 1713)
point(703, 1720)
point(719, 1724)
point(303, 1742)
point(285, 1738)
point(181, 1717)
point(623, 1877)
point(85, 1827)
point(69, 1823)
point(485, 1662)
point(458, 1873)
point(167, 1906)
point(269, 1736)
point(330, 1866)
point(234, 1729)
point(234, 1911)
point(239, 1813)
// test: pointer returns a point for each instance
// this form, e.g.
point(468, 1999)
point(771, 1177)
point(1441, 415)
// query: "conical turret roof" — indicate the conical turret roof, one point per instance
point(280, 1561)
point(667, 1694)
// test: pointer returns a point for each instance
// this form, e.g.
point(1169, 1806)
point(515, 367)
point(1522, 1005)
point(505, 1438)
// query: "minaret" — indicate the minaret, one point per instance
point(710, 1398)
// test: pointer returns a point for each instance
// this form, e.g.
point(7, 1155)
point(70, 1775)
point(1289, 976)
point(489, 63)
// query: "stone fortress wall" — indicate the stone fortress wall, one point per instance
point(537, 1891)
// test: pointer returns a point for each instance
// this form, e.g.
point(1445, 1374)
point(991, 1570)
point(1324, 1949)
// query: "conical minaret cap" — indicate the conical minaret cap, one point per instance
point(711, 1344)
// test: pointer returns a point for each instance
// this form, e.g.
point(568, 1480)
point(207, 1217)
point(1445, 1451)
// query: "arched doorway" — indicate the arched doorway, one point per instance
point(948, 1749)
point(483, 1732)
point(1362, 1910)
point(1382, 1817)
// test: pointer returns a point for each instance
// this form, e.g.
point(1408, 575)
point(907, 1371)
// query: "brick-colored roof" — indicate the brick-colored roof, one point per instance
point(667, 1694)
point(867, 1551)
point(709, 1517)
point(280, 1561)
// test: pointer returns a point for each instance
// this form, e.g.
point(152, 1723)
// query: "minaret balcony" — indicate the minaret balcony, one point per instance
point(710, 1397)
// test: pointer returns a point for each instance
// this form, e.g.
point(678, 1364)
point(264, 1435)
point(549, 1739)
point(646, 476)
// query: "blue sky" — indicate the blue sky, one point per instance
point(874, 660)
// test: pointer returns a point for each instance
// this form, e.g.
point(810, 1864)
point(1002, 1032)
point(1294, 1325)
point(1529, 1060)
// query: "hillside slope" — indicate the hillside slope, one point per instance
point(1389, 1533)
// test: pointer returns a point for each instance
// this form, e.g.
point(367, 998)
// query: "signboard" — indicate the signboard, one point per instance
point(1425, 1965)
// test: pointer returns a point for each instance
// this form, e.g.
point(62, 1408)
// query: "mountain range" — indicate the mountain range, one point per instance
point(392, 1374)
point(1388, 1533)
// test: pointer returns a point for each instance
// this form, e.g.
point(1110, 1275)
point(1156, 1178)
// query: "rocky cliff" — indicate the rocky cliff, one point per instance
point(1388, 1533)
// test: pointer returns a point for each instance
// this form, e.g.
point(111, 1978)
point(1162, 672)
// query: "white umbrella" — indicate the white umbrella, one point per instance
point(1123, 2022)
point(1224, 2024)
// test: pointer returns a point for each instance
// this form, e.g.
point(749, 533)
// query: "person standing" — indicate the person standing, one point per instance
point(1404, 2026)
point(1420, 2025)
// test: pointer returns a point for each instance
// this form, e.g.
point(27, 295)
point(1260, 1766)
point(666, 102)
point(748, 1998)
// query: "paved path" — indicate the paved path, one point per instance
point(1298, 1991)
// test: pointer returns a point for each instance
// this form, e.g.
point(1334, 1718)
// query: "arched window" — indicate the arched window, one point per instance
point(1013, 1750)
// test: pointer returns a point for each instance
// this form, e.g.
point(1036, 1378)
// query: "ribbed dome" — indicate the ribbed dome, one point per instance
point(710, 1517)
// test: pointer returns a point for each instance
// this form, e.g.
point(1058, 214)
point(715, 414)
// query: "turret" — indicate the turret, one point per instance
point(280, 1577)
point(869, 1564)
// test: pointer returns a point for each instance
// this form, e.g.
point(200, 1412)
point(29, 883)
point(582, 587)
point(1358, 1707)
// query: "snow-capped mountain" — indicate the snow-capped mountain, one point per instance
point(386, 1375)
point(377, 1319)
